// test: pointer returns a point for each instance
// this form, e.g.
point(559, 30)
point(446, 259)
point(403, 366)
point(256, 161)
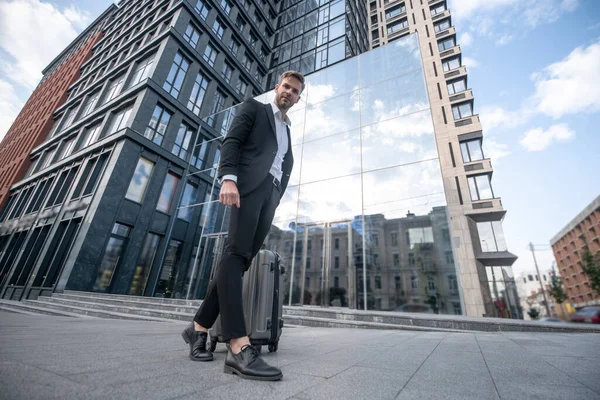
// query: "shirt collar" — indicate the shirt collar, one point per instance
point(277, 111)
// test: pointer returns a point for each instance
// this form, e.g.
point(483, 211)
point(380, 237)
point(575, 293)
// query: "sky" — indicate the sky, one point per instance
point(534, 67)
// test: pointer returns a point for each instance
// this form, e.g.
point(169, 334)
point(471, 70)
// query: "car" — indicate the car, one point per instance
point(590, 315)
point(549, 319)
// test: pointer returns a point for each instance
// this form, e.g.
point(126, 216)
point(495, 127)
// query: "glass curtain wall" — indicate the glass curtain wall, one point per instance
point(363, 223)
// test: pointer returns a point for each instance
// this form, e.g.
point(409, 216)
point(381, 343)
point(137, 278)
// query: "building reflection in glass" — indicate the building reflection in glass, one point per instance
point(363, 223)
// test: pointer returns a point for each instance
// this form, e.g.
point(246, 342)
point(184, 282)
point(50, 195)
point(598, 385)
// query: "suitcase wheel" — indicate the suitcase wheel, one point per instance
point(273, 347)
point(213, 345)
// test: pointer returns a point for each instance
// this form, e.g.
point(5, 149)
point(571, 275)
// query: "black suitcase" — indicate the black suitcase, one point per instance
point(262, 294)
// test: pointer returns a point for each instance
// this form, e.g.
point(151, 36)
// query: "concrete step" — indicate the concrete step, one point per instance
point(31, 309)
point(434, 321)
point(64, 298)
point(90, 309)
point(296, 320)
point(144, 299)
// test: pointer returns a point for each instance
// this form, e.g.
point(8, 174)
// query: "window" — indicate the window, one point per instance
point(471, 150)
point(447, 43)
point(168, 191)
point(226, 6)
point(114, 89)
point(420, 236)
point(462, 110)
point(142, 71)
point(336, 262)
point(191, 35)
point(480, 187)
point(241, 87)
point(90, 136)
point(67, 148)
point(451, 63)
point(394, 11)
point(442, 26)
point(170, 270)
point(396, 260)
point(394, 237)
point(491, 236)
point(240, 23)
point(397, 26)
point(112, 255)
point(182, 142)
point(202, 9)
point(119, 121)
point(218, 104)
point(398, 282)
point(70, 117)
point(210, 55)
point(157, 126)
point(452, 284)
point(378, 282)
point(90, 104)
point(439, 9)
point(144, 265)
point(190, 197)
point(530, 277)
point(457, 86)
point(199, 154)
point(218, 28)
point(537, 278)
point(226, 72)
point(139, 182)
point(456, 308)
point(176, 75)
point(253, 39)
point(198, 92)
point(337, 243)
point(336, 282)
point(247, 61)
point(430, 284)
point(234, 46)
point(414, 282)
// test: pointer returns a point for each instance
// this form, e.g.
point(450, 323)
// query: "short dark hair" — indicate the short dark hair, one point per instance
point(293, 74)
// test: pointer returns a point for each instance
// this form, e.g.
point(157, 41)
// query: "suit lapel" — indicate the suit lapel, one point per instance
point(271, 117)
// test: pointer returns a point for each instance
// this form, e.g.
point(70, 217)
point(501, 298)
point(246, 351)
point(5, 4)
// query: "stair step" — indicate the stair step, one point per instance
point(144, 299)
point(340, 323)
point(64, 298)
point(30, 309)
point(80, 308)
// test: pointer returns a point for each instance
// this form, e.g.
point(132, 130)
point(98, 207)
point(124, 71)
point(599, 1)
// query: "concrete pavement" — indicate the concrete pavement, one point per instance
point(47, 357)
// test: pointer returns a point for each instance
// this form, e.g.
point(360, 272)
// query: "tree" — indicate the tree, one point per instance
point(591, 267)
point(533, 313)
point(556, 289)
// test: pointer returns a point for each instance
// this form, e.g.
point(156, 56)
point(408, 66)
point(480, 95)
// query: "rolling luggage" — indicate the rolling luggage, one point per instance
point(262, 293)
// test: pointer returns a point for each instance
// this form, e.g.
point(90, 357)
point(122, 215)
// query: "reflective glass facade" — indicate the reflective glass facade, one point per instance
point(365, 210)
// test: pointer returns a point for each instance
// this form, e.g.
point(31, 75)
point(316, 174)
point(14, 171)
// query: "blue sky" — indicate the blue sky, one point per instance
point(534, 67)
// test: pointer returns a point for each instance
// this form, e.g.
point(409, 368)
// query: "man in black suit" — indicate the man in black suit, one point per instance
point(255, 166)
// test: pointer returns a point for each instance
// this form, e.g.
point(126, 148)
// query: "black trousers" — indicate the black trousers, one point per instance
point(248, 228)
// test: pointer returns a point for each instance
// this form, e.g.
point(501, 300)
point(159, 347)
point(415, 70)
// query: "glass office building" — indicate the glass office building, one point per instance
point(364, 212)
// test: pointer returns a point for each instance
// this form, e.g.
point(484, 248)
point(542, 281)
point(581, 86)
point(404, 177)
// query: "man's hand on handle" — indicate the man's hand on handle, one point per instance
point(229, 194)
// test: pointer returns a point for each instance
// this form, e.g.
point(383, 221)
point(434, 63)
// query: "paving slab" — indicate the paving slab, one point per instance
point(55, 357)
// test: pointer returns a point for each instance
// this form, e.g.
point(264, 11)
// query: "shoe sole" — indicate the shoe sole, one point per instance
point(229, 370)
point(186, 339)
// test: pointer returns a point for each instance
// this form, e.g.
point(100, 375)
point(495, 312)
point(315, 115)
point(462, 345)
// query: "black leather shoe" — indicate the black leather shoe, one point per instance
point(197, 341)
point(248, 364)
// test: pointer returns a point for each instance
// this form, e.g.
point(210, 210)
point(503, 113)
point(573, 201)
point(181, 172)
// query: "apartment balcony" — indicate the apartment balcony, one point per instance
point(479, 166)
point(462, 96)
point(441, 15)
point(488, 209)
point(397, 34)
point(474, 119)
point(448, 32)
point(450, 52)
point(373, 12)
point(455, 73)
point(395, 18)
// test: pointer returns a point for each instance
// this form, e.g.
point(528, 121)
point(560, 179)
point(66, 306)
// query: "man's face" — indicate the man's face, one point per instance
point(287, 93)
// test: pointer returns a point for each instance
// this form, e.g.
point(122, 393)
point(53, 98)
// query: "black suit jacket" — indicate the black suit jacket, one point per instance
point(250, 147)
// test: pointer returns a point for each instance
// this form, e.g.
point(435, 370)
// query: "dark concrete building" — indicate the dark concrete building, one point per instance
point(104, 205)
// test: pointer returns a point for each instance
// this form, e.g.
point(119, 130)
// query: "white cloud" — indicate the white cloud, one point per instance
point(504, 20)
point(81, 19)
point(9, 106)
point(569, 86)
point(538, 139)
point(470, 62)
point(504, 40)
point(494, 150)
point(33, 33)
point(465, 39)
